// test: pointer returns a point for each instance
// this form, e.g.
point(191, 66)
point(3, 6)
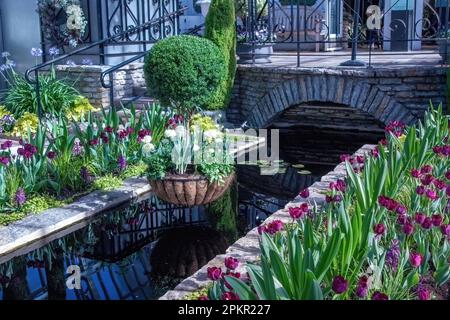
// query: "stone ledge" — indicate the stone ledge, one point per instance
point(35, 229)
point(246, 249)
point(378, 72)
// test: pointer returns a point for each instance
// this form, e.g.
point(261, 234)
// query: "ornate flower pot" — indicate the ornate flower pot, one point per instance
point(189, 190)
point(263, 53)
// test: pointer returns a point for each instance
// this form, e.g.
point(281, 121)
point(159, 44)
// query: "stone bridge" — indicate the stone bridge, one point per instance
point(263, 94)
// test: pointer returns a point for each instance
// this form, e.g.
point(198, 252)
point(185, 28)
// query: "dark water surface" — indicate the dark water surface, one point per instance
point(114, 252)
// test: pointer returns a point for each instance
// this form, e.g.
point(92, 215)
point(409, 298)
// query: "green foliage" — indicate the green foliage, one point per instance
point(220, 28)
point(158, 165)
point(56, 95)
point(216, 172)
point(37, 204)
point(184, 72)
point(107, 183)
point(242, 8)
point(339, 239)
point(135, 170)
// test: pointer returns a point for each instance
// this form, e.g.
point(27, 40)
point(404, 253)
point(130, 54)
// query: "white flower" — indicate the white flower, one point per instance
point(147, 139)
point(148, 148)
point(196, 148)
point(212, 134)
point(73, 23)
point(74, 10)
point(181, 131)
point(170, 133)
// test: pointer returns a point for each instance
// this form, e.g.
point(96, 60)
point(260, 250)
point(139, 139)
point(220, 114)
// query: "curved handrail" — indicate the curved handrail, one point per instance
point(108, 85)
point(136, 29)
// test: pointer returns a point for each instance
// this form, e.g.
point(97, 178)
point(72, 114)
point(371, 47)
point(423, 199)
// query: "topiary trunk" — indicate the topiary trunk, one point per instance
point(220, 28)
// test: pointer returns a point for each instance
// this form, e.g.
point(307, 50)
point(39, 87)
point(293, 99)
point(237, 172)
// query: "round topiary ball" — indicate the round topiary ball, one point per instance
point(184, 72)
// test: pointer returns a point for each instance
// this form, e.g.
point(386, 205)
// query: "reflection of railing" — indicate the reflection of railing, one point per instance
point(393, 25)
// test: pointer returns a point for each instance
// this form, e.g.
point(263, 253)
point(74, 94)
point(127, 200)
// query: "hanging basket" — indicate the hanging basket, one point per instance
point(189, 190)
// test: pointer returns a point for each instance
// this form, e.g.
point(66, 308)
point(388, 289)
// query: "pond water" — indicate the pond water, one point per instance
point(143, 249)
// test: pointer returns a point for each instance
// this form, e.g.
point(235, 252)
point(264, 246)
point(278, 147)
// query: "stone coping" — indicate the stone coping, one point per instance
point(246, 249)
point(36, 230)
point(378, 72)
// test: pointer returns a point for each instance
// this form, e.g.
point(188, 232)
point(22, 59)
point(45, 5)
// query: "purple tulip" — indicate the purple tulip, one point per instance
point(419, 218)
point(402, 219)
point(415, 259)
point(415, 173)
point(4, 161)
point(214, 273)
point(420, 190)
point(231, 263)
point(377, 295)
point(427, 179)
point(408, 229)
point(432, 195)
point(447, 175)
point(439, 184)
point(436, 219)
point(401, 209)
point(51, 155)
point(304, 193)
point(340, 285)
point(379, 229)
point(427, 223)
point(445, 229)
point(296, 213)
point(230, 296)
point(426, 169)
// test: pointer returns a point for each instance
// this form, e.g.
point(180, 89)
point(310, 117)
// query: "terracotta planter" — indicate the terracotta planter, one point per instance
point(189, 190)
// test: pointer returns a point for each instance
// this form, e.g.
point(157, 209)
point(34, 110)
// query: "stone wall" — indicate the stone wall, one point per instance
point(128, 81)
point(262, 93)
point(247, 249)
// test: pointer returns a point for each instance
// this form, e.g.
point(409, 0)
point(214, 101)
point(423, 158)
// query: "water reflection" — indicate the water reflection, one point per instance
point(116, 250)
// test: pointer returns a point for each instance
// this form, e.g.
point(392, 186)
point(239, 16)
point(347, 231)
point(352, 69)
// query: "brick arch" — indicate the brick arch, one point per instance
point(339, 90)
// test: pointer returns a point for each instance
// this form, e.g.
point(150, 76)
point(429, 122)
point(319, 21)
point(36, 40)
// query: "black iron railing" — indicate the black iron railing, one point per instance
point(135, 30)
point(362, 28)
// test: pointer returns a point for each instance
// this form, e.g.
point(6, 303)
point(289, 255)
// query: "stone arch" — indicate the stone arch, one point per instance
point(355, 93)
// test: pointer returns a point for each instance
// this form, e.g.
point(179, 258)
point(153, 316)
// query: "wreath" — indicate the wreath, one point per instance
point(63, 21)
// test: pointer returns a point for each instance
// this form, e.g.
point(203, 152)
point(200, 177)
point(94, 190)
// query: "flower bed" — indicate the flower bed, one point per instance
point(62, 161)
point(383, 234)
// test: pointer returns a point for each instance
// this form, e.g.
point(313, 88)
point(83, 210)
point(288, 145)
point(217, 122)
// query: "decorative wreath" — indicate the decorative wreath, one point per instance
point(63, 21)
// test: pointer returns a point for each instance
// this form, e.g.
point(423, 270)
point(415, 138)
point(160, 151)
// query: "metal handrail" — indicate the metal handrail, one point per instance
point(109, 72)
point(130, 31)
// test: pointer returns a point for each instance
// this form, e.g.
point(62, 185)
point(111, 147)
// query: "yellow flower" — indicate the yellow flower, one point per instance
point(80, 107)
point(4, 112)
point(203, 122)
point(402, 138)
point(28, 122)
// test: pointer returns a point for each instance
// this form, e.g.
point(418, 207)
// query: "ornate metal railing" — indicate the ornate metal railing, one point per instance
point(155, 23)
point(367, 27)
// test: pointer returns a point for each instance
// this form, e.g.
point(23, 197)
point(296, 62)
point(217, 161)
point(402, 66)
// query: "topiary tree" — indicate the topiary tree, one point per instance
point(184, 72)
point(220, 28)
